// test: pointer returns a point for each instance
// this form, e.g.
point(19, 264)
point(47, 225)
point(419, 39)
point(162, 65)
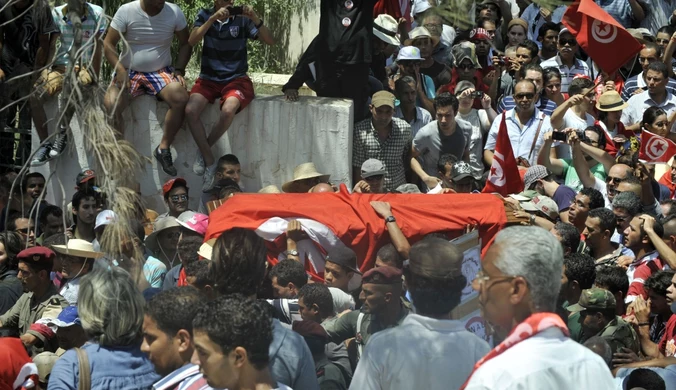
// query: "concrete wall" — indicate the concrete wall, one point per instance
point(270, 137)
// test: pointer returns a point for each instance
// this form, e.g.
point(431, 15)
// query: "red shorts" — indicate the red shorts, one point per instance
point(240, 88)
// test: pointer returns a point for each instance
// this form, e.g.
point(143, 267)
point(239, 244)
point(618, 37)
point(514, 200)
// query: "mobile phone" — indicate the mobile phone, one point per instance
point(234, 11)
point(559, 136)
point(477, 94)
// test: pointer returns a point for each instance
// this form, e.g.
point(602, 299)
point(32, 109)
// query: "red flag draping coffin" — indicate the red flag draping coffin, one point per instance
point(348, 219)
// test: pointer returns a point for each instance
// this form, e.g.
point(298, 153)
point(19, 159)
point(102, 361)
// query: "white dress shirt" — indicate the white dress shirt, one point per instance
point(549, 360)
point(521, 138)
point(640, 102)
point(421, 353)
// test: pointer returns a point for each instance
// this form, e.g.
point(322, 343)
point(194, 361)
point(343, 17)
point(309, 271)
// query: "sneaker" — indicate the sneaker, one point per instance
point(59, 145)
point(208, 179)
point(198, 166)
point(164, 158)
point(42, 156)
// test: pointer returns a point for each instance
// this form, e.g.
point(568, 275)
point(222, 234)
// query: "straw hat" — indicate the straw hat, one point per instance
point(302, 172)
point(78, 248)
point(420, 32)
point(271, 189)
point(160, 224)
point(610, 101)
point(207, 249)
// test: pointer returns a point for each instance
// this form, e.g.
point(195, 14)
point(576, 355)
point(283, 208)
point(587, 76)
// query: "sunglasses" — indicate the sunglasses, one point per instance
point(520, 96)
point(610, 179)
point(465, 66)
point(407, 64)
point(646, 59)
point(177, 198)
point(570, 42)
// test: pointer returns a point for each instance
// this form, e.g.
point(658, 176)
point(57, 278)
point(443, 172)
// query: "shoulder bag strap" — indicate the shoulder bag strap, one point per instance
point(537, 134)
point(360, 346)
point(84, 383)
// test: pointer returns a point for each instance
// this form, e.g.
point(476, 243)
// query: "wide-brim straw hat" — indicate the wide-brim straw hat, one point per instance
point(420, 32)
point(302, 172)
point(160, 224)
point(610, 101)
point(207, 249)
point(78, 248)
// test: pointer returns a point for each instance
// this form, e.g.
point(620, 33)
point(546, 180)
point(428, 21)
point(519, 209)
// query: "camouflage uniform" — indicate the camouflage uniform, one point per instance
point(618, 333)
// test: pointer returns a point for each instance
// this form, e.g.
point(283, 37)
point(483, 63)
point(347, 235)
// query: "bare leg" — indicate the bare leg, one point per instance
point(193, 110)
point(116, 101)
point(177, 97)
point(228, 111)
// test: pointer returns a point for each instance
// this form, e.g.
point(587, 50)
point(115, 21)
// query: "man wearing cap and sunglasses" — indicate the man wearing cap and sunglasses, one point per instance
point(175, 192)
point(40, 300)
point(372, 178)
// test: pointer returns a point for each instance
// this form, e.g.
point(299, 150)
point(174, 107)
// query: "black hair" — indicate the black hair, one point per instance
point(613, 278)
point(235, 321)
point(187, 248)
point(531, 46)
point(239, 262)
point(446, 99)
point(570, 236)
point(390, 256)
point(227, 187)
point(548, 26)
point(650, 115)
point(659, 282)
point(595, 197)
point(532, 67)
point(227, 159)
point(445, 159)
point(598, 131)
point(654, 46)
point(402, 82)
point(645, 378)
point(83, 194)
point(174, 309)
point(50, 210)
point(672, 208)
point(320, 295)
point(31, 175)
point(607, 220)
point(659, 66)
point(666, 30)
point(578, 85)
point(289, 271)
point(12, 216)
point(200, 271)
point(12, 242)
point(669, 228)
point(657, 228)
point(581, 268)
point(550, 73)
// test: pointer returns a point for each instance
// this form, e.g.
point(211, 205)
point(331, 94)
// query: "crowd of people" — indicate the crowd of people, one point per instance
point(583, 297)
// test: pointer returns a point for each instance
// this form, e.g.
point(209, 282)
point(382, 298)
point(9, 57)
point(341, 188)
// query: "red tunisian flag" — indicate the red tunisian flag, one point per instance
point(600, 35)
point(655, 148)
point(343, 219)
point(504, 177)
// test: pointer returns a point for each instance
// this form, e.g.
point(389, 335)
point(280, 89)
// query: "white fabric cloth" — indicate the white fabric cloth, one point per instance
point(448, 35)
point(521, 138)
point(341, 300)
point(149, 38)
point(548, 360)
point(600, 186)
point(639, 103)
point(70, 291)
point(420, 353)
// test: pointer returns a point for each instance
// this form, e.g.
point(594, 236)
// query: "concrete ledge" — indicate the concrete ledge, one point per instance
point(270, 137)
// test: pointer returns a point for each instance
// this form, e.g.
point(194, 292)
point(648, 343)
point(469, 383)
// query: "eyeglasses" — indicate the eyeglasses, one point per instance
point(465, 66)
point(569, 42)
point(177, 198)
point(481, 278)
point(527, 96)
point(432, 26)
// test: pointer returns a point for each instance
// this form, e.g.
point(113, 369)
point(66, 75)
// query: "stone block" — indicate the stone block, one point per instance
point(270, 137)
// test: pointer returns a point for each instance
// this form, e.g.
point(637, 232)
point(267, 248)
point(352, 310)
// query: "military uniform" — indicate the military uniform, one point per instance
point(618, 333)
point(28, 309)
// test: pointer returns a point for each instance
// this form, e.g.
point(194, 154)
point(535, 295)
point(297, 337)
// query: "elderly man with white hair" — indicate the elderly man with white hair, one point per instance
point(518, 285)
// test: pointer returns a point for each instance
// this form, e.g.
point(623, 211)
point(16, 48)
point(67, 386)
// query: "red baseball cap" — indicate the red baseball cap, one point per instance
point(478, 34)
point(179, 181)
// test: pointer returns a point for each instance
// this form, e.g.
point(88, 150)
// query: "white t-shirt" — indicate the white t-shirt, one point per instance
point(149, 37)
point(574, 121)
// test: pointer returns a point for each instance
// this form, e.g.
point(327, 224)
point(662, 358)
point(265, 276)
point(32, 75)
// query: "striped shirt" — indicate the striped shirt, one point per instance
point(224, 55)
point(567, 74)
point(619, 10)
point(638, 82)
point(93, 26)
point(422, 117)
point(543, 104)
point(366, 144)
point(187, 377)
point(286, 310)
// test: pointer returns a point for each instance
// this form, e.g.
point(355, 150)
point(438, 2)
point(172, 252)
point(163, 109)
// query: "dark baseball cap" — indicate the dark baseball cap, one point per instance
point(382, 275)
point(84, 176)
point(344, 256)
point(594, 299)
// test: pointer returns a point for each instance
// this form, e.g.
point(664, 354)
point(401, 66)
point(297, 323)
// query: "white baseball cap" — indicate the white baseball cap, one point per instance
point(105, 217)
point(409, 53)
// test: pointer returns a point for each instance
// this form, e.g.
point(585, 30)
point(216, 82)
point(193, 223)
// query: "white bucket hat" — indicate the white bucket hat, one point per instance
point(385, 28)
point(160, 224)
point(420, 32)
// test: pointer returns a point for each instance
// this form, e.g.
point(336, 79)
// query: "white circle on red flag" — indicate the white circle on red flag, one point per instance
point(656, 148)
point(497, 175)
point(603, 32)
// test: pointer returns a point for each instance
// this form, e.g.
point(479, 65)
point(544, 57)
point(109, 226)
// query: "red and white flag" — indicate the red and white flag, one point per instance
point(655, 148)
point(504, 177)
point(344, 219)
point(600, 35)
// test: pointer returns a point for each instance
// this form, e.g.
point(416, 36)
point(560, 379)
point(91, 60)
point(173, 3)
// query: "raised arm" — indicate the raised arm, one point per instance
point(264, 33)
point(199, 31)
point(579, 162)
point(544, 156)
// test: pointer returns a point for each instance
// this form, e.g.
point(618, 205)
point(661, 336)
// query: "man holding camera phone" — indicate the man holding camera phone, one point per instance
point(225, 29)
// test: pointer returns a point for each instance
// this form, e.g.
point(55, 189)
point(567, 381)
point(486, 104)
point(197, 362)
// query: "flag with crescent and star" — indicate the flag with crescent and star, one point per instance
point(605, 40)
point(655, 148)
point(504, 177)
